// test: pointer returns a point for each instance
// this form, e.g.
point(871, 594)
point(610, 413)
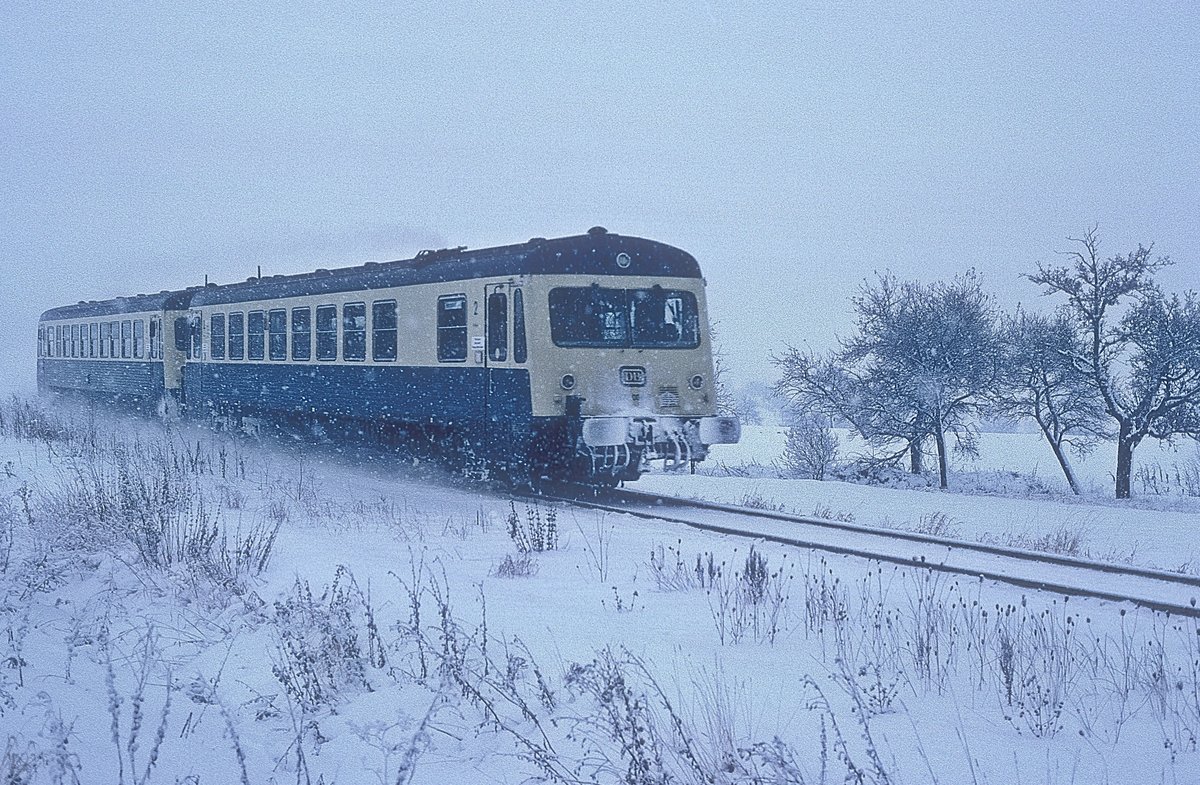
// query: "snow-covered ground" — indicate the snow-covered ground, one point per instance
point(395, 633)
point(1035, 506)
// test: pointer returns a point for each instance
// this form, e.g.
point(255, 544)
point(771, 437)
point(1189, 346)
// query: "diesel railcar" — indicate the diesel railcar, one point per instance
point(581, 357)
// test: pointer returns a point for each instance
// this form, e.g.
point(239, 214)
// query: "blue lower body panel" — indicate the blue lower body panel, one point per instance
point(491, 406)
point(102, 378)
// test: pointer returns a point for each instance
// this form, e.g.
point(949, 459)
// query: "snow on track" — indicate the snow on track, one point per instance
point(1155, 589)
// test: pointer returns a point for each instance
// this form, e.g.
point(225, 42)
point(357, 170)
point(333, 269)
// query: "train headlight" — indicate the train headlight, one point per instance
point(696, 382)
point(568, 381)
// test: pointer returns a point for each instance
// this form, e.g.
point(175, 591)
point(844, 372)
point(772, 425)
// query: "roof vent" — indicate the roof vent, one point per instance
point(370, 264)
point(251, 279)
point(533, 240)
point(597, 230)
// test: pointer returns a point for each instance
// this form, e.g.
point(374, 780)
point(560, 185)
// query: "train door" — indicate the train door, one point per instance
point(506, 397)
point(496, 349)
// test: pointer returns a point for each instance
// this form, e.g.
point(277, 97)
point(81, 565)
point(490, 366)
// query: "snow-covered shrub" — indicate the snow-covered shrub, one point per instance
point(1065, 539)
point(597, 548)
point(523, 566)
point(537, 532)
point(637, 734)
point(1162, 480)
point(24, 420)
point(749, 601)
point(756, 501)
point(624, 720)
point(937, 524)
point(1037, 659)
point(678, 574)
point(810, 449)
point(827, 513)
point(327, 644)
point(865, 471)
point(45, 756)
point(146, 495)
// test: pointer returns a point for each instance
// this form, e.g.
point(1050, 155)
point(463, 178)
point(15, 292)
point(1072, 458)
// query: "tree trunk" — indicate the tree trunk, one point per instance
point(1126, 442)
point(915, 463)
point(1063, 462)
point(940, 437)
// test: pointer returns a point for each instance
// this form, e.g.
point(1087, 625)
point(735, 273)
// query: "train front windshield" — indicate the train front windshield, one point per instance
point(655, 318)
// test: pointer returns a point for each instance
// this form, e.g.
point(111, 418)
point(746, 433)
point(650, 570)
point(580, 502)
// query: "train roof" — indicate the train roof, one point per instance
point(138, 303)
point(598, 252)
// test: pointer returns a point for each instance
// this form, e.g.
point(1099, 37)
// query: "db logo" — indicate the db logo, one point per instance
point(633, 376)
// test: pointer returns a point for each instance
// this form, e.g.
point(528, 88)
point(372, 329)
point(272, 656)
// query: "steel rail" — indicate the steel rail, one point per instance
point(617, 501)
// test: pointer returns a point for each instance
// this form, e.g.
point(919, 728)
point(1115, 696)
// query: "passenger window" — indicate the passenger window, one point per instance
point(104, 339)
point(520, 342)
point(452, 328)
point(256, 325)
point(126, 339)
point(139, 338)
point(74, 340)
point(354, 331)
point(277, 334)
point(158, 340)
point(497, 326)
point(237, 336)
point(216, 336)
point(154, 338)
point(41, 341)
point(326, 332)
point(301, 333)
point(92, 335)
point(383, 331)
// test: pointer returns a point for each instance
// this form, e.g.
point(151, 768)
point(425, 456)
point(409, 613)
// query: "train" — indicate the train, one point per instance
point(583, 358)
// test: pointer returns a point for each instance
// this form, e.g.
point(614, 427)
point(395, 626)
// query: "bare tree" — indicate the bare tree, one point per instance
point(920, 365)
point(726, 404)
point(1139, 347)
point(1039, 382)
point(822, 385)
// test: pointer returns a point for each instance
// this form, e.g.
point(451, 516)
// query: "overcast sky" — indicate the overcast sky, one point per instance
point(792, 148)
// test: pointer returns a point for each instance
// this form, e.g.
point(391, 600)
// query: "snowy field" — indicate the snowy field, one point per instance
point(186, 606)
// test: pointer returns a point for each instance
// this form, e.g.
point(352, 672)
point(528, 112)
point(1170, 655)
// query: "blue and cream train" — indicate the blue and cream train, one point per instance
point(581, 357)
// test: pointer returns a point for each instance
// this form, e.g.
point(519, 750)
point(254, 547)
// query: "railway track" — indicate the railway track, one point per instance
point(1158, 590)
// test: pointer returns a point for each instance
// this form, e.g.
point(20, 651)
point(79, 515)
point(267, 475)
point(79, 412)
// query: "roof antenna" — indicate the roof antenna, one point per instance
point(206, 280)
point(260, 271)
